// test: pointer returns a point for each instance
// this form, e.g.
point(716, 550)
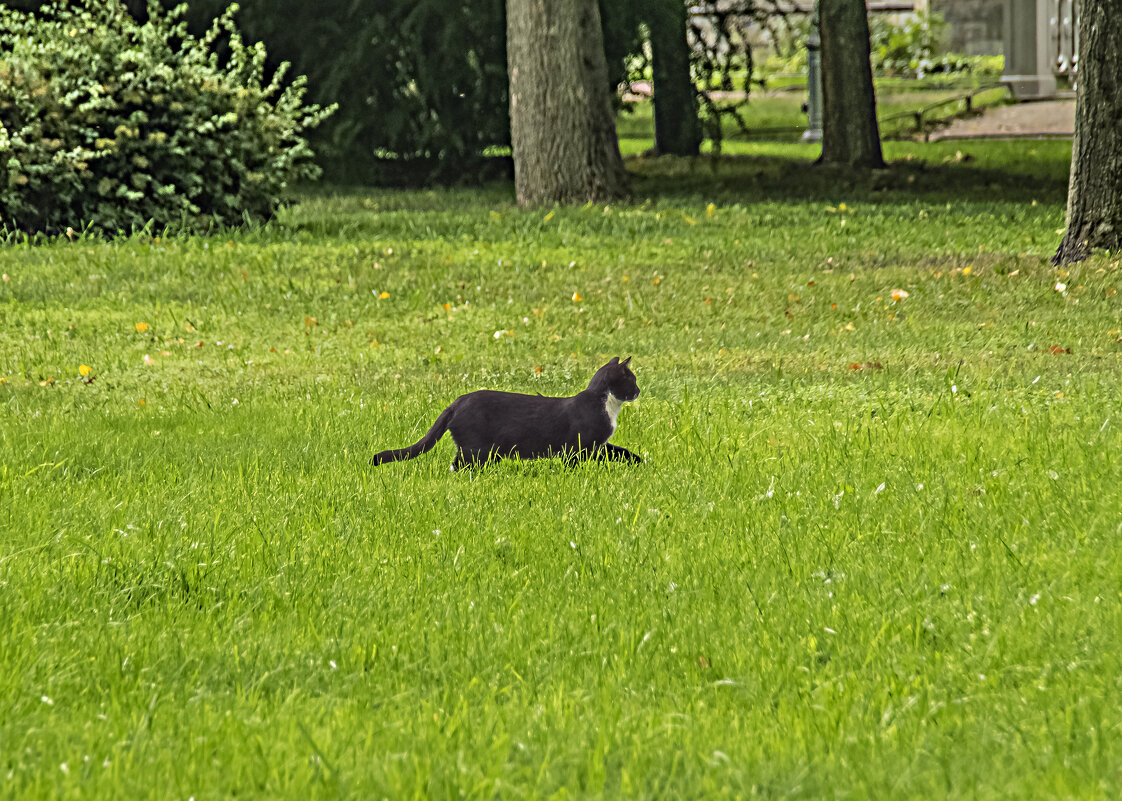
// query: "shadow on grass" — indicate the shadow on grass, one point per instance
point(979, 174)
point(943, 177)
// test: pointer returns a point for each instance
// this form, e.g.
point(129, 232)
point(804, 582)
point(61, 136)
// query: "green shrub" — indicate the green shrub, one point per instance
point(112, 125)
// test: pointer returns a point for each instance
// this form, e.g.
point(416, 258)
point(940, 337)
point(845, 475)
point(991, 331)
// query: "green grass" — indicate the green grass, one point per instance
point(873, 551)
point(766, 114)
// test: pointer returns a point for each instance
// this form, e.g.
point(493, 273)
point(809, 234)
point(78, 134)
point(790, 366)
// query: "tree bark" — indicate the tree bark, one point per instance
point(562, 124)
point(1094, 195)
point(677, 130)
point(849, 108)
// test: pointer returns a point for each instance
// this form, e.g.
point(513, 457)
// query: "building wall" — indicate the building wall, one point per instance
point(975, 25)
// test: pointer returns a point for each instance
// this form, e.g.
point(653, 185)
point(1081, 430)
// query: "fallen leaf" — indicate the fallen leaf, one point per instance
point(1059, 350)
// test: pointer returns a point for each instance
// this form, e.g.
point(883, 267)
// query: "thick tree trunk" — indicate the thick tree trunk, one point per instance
point(562, 125)
point(677, 130)
point(849, 107)
point(1094, 195)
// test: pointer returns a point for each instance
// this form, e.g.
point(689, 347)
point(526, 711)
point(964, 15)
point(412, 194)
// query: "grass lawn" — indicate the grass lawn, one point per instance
point(873, 552)
point(779, 115)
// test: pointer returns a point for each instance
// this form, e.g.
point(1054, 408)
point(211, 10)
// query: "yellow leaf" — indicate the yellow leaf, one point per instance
point(548, 217)
point(710, 210)
point(577, 298)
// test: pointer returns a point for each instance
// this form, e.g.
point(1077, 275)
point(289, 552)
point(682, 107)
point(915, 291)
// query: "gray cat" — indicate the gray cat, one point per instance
point(489, 425)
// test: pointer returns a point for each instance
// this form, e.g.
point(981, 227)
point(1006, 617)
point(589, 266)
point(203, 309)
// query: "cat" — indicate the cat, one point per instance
point(488, 425)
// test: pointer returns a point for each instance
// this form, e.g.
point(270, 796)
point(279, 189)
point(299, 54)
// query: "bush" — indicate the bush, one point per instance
point(908, 49)
point(421, 85)
point(109, 124)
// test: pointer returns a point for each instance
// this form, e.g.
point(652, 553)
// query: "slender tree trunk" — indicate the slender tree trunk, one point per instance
point(849, 107)
point(677, 130)
point(1094, 195)
point(562, 125)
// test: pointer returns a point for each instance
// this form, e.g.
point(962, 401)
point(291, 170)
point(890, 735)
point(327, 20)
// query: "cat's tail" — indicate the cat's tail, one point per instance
point(424, 445)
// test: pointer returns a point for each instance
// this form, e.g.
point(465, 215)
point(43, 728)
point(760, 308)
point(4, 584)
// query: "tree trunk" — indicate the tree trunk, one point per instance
point(562, 124)
point(849, 107)
point(1094, 195)
point(677, 130)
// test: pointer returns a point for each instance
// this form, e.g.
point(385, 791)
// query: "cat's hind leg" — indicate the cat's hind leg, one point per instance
point(467, 459)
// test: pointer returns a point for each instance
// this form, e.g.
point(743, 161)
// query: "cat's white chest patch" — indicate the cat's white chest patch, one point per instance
point(612, 407)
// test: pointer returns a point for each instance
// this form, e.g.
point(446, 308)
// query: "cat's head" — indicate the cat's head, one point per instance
point(617, 378)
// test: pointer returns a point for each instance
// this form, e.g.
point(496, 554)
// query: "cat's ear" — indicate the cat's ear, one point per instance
point(625, 361)
point(614, 361)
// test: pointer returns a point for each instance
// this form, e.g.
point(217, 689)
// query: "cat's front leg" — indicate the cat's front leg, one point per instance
point(620, 454)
